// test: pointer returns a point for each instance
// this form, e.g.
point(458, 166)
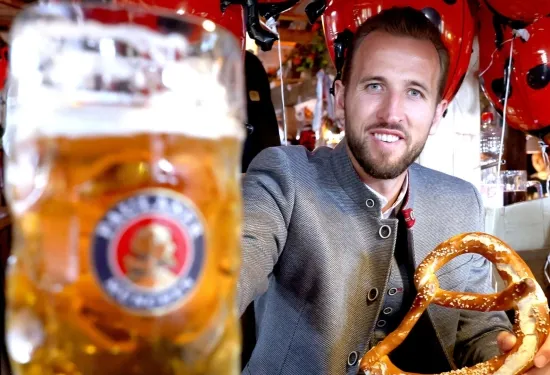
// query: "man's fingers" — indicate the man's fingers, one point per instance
point(506, 341)
point(536, 371)
point(540, 361)
point(543, 355)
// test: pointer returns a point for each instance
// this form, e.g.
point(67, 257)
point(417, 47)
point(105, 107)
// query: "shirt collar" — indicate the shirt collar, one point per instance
point(397, 204)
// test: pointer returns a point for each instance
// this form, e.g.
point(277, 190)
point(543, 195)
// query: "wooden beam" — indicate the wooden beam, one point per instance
point(285, 44)
point(293, 17)
point(514, 150)
point(297, 36)
point(5, 24)
point(13, 3)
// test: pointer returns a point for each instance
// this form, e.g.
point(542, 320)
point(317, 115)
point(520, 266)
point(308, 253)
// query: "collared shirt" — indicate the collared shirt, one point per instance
point(397, 204)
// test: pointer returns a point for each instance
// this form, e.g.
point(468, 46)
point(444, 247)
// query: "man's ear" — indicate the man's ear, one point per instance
point(439, 111)
point(339, 100)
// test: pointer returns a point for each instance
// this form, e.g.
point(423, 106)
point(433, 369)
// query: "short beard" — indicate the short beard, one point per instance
point(387, 171)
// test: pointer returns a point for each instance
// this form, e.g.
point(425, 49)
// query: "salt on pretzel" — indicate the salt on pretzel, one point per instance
point(523, 294)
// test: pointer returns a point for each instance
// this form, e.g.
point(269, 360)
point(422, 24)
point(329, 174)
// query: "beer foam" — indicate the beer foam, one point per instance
point(71, 81)
point(90, 121)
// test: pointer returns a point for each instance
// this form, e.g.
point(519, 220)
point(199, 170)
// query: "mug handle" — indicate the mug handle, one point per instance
point(538, 185)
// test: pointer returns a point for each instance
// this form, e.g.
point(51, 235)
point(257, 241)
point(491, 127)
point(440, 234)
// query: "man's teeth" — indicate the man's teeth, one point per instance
point(386, 137)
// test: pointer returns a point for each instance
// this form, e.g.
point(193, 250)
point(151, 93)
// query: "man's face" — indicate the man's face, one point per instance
point(390, 104)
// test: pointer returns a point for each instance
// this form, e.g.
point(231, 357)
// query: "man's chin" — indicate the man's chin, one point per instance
point(385, 175)
point(383, 170)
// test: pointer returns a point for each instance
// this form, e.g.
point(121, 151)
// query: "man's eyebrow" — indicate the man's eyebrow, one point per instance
point(418, 84)
point(366, 79)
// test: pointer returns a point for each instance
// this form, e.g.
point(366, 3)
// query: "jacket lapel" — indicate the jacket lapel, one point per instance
point(408, 215)
point(420, 248)
point(349, 179)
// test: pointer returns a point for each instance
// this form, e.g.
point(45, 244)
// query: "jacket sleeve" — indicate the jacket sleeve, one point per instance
point(477, 332)
point(268, 199)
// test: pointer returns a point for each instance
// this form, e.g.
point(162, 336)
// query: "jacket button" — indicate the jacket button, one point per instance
point(387, 311)
point(392, 291)
point(370, 203)
point(381, 323)
point(353, 357)
point(372, 295)
point(384, 231)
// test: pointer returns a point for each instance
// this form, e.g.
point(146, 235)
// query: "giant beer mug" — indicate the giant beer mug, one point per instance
point(123, 181)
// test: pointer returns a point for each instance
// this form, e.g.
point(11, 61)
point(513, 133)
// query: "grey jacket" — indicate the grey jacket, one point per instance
point(312, 250)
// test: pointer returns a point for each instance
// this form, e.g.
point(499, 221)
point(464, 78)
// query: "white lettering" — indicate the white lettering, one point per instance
point(115, 289)
point(112, 286)
point(186, 217)
point(143, 203)
point(175, 294)
point(143, 301)
point(195, 229)
point(123, 295)
point(161, 204)
point(115, 218)
point(104, 230)
point(163, 299)
point(176, 207)
point(189, 219)
point(186, 283)
point(138, 301)
point(127, 210)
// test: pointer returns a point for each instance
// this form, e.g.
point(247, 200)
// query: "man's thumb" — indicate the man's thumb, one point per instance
point(506, 341)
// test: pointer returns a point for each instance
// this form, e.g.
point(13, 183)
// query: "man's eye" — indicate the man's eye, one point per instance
point(374, 87)
point(415, 93)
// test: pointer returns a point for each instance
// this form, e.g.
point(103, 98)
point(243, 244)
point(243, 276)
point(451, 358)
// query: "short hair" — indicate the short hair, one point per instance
point(406, 22)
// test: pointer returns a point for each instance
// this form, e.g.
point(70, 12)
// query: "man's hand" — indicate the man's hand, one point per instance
point(506, 342)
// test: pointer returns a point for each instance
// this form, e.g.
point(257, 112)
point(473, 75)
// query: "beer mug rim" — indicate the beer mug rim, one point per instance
point(161, 62)
point(71, 11)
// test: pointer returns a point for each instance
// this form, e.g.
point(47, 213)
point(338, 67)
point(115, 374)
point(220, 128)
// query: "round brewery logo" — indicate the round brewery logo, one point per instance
point(148, 251)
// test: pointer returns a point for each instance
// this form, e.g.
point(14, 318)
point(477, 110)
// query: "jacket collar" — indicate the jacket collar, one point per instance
point(350, 181)
point(407, 211)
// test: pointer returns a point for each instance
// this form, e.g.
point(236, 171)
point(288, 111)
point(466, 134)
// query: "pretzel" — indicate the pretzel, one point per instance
point(523, 294)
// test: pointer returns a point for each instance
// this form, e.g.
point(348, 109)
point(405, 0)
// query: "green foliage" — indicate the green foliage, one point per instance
point(313, 56)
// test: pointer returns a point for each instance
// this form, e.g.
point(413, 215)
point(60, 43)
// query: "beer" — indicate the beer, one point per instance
point(515, 196)
point(516, 186)
point(126, 206)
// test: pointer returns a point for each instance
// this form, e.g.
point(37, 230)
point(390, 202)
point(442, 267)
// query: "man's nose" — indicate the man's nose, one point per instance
point(391, 110)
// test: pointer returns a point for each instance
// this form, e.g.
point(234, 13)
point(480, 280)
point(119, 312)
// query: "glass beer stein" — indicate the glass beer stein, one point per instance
point(123, 182)
point(515, 185)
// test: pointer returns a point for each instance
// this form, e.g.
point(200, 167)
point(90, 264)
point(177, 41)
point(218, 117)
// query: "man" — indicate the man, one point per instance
point(332, 238)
